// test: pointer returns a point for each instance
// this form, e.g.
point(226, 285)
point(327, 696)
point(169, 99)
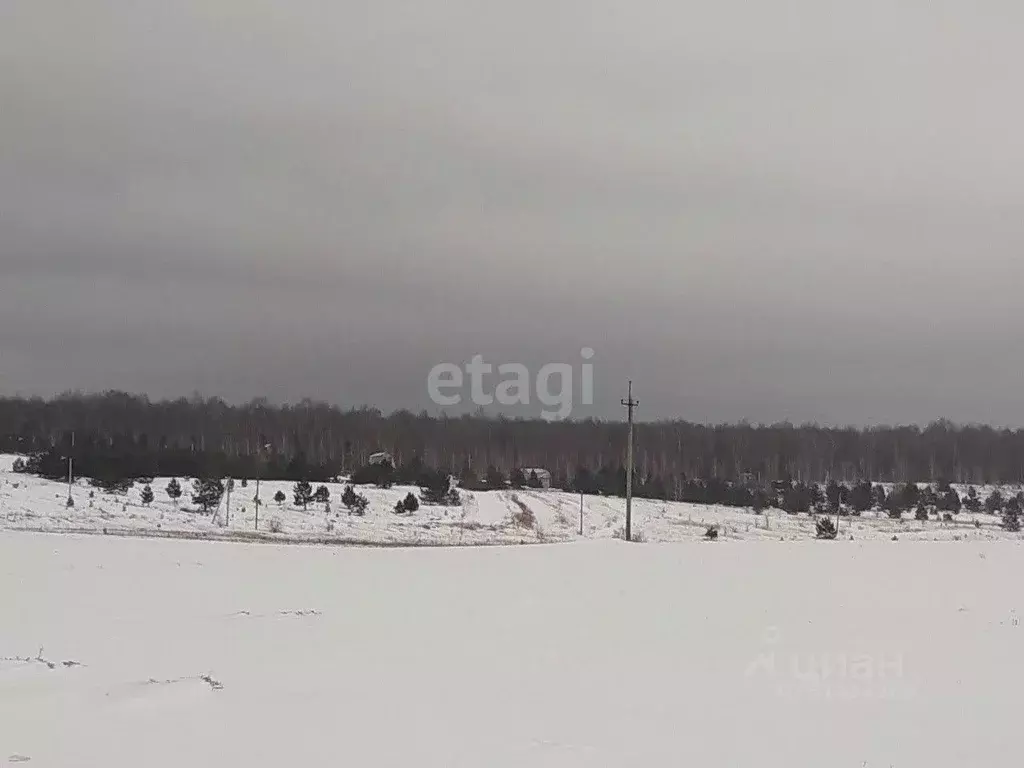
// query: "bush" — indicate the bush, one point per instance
point(921, 513)
point(280, 498)
point(1011, 521)
point(399, 508)
point(711, 534)
point(411, 503)
point(274, 525)
point(826, 529)
point(322, 495)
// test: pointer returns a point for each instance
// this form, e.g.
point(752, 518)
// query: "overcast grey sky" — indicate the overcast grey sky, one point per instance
point(799, 209)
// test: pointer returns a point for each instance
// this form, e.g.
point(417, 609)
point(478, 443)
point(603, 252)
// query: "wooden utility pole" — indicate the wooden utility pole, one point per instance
point(227, 505)
point(630, 404)
point(71, 460)
point(581, 514)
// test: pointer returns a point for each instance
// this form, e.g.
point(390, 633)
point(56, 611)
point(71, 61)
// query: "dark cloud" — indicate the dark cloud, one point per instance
point(810, 210)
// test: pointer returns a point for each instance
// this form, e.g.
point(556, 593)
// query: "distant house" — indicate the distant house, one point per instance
point(383, 457)
point(543, 476)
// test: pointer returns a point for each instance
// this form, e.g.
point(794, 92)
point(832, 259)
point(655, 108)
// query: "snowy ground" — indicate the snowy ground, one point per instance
point(31, 504)
point(138, 652)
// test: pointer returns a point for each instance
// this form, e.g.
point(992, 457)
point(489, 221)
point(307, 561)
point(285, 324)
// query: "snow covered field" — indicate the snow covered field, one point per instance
point(133, 652)
point(30, 504)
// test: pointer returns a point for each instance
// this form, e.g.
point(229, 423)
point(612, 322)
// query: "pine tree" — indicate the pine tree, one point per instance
point(533, 481)
point(825, 528)
point(174, 490)
point(411, 503)
point(147, 495)
point(495, 479)
point(349, 497)
point(302, 493)
point(207, 492)
point(280, 498)
point(322, 495)
point(995, 502)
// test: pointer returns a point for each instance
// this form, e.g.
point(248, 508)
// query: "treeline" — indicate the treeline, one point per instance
point(316, 441)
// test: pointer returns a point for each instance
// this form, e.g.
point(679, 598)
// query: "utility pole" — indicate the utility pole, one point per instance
point(581, 513)
point(630, 404)
point(227, 505)
point(71, 459)
point(259, 467)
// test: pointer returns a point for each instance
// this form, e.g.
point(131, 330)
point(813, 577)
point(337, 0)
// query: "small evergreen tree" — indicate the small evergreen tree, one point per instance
point(349, 497)
point(207, 492)
point(1011, 520)
point(147, 495)
point(302, 492)
point(921, 513)
point(280, 498)
point(322, 495)
point(517, 479)
point(399, 508)
point(533, 481)
point(174, 490)
point(356, 503)
point(411, 503)
point(879, 497)
point(495, 479)
point(972, 503)
point(825, 528)
point(860, 497)
point(995, 502)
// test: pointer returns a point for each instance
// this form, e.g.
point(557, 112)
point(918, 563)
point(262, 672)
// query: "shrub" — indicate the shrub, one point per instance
point(322, 495)
point(411, 503)
point(921, 513)
point(399, 508)
point(274, 525)
point(826, 529)
point(711, 534)
point(279, 497)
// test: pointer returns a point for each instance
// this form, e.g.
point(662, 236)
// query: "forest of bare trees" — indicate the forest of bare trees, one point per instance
point(327, 436)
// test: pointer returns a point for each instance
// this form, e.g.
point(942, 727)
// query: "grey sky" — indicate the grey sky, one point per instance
point(802, 209)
